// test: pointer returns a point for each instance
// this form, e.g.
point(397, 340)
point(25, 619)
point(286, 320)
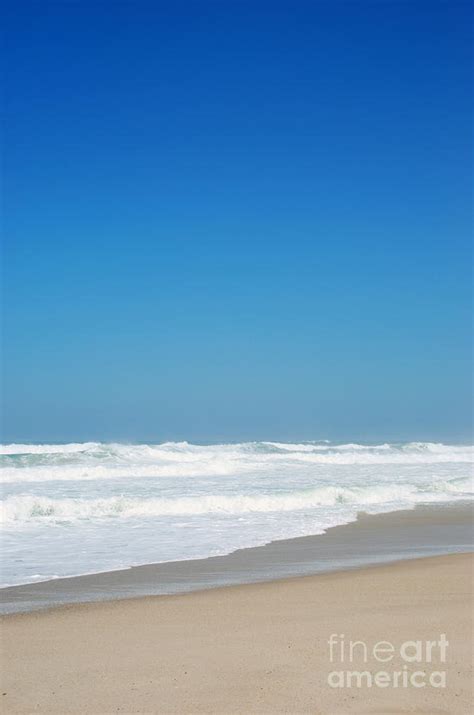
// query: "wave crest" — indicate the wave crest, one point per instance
point(26, 508)
point(97, 461)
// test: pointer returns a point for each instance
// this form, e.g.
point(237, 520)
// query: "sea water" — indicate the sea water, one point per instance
point(70, 509)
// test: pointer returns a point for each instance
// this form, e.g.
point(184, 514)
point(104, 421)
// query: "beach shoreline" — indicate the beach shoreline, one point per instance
point(252, 631)
point(427, 530)
point(248, 648)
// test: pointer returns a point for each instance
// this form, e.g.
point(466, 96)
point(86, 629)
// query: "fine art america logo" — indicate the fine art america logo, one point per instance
point(411, 664)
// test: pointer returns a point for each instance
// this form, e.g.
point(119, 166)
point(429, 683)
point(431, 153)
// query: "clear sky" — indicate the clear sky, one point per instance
point(237, 220)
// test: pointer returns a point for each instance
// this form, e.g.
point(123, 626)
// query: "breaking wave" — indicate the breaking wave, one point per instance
point(24, 508)
point(92, 460)
point(85, 507)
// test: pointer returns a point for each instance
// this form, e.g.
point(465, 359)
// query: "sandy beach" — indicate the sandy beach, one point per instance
point(252, 648)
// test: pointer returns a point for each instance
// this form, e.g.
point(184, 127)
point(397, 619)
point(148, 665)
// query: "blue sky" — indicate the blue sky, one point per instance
point(237, 220)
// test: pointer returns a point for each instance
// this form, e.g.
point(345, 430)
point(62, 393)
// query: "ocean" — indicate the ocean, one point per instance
point(73, 509)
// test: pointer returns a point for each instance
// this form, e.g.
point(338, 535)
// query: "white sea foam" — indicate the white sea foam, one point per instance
point(47, 448)
point(90, 461)
point(79, 508)
point(27, 508)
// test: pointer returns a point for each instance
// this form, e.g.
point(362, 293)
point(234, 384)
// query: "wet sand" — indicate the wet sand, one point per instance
point(373, 539)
